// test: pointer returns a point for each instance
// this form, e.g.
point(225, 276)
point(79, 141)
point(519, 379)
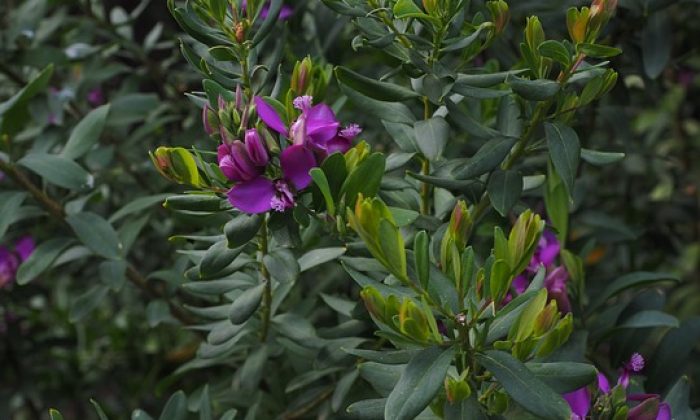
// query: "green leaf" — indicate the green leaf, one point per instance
point(489, 156)
point(598, 158)
point(630, 280)
point(672, 355)
point(55, 414)
point(448, 183)
point(366, 178)
point(87, 302)
point(505, 188)
point(649, 319)
point(96, 233)
point(380, 91)
point(86, 133)
point(319, 178)
point(205, 404)
point(421, 379)
point(194, 202)
point(100, 412)
point(484, 80)
point(678, 398)
point(58, 170)
point(421, 252)
point(556, 201)
point(556, 51)
point(217, 258)
point(465, 409)
point(406, 8)
point(138, 205)
point(462, 42)
point(113, 273)
point(563, 377)
point(270, 20)
point(10, 204)
point(564, 150)
point(41, 259)
point(282, 265)
point(657, 41)
point(599, 51)
point(431, 136)
point(388, 111)
point(175, 408)
point(522, 385)
point(242, 229)
point(342, 389)
point(13, 112)
point(246, 304)
point(367, 409)
point(319, 256)
point(534, 90)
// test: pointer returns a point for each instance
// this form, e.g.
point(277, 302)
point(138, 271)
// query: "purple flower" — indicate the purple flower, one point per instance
point(603, 384)
point(650, 407)
point(261, 194)
point(634, 365)
point(95, 97)
point(11, 259)
point(316, 127)
point(555, 283)
point(546, 253)
point(285, 12)
point(580, 403)
point(235, 162)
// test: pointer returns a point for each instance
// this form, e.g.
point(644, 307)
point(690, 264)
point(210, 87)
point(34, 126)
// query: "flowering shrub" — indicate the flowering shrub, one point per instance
point(395, 236)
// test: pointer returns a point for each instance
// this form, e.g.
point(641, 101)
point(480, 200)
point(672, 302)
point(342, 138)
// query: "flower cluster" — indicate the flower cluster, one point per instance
point(645, 406)
point(10, 259)
point(260, 184)
point(546, 255)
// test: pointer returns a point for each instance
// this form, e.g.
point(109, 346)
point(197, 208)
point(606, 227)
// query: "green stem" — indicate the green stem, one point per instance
point(267, 292)
point(56, 211)
point(425, 189)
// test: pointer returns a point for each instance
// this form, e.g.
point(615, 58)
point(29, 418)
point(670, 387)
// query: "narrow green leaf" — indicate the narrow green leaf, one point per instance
point(87, 302)
point(599, 51)
point(319, 256)
point(505, 188)
point(534, 90)
point(421, 251)
point(431, 136)
point(175, 408)
point(319, 178)
point(637, 279)
point(388, 111)
point(564, 150)
point(489, 156)
point(522, 385)
point(419, 382)
point(96, 233)
point(563, 377)
point(246, 304)
point(41, 259)
point(58, 170)
point(598, 158)
point(380, 91)
point(242, 229)
point(86, 133)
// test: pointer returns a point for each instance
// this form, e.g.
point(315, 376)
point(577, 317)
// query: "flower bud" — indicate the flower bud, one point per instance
point(176, 164)
point(235, 163)
point(356, 155)
point(374, 302)
point(534, 34)
point(500, 14)
point(430, 6)
point(239, 30)
point(300, 76)
point(577, 24)
point(255, 148)
point(210, 120)
point(456, 389)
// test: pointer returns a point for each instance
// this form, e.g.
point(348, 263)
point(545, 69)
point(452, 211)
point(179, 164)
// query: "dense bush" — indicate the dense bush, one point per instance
point(370, 208)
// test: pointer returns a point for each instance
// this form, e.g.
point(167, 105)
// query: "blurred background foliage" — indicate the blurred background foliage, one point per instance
point(643, 214)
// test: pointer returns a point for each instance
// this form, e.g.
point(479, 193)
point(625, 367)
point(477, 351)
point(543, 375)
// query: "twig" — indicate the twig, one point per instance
point(56, 211)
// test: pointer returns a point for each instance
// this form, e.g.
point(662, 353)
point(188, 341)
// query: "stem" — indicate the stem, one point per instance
point(537, 117)
point(56, 211)
point(267, 292)
point(425, 189)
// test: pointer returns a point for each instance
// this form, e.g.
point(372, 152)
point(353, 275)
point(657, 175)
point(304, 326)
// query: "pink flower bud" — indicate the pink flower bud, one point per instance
point(256, 148)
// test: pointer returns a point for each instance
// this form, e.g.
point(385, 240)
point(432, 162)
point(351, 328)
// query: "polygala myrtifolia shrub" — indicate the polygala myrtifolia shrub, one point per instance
point(319, 263)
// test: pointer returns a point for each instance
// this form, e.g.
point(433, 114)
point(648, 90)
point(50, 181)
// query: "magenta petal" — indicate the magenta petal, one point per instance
point(253, 196)
point(579, 401)
point(520, 283)
point(603, 384)
point(338, 144)
point(321, 125)
point(664, 412)
point(285, 12)
point(269, 116)
point(24, 247)
point(296, 162)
